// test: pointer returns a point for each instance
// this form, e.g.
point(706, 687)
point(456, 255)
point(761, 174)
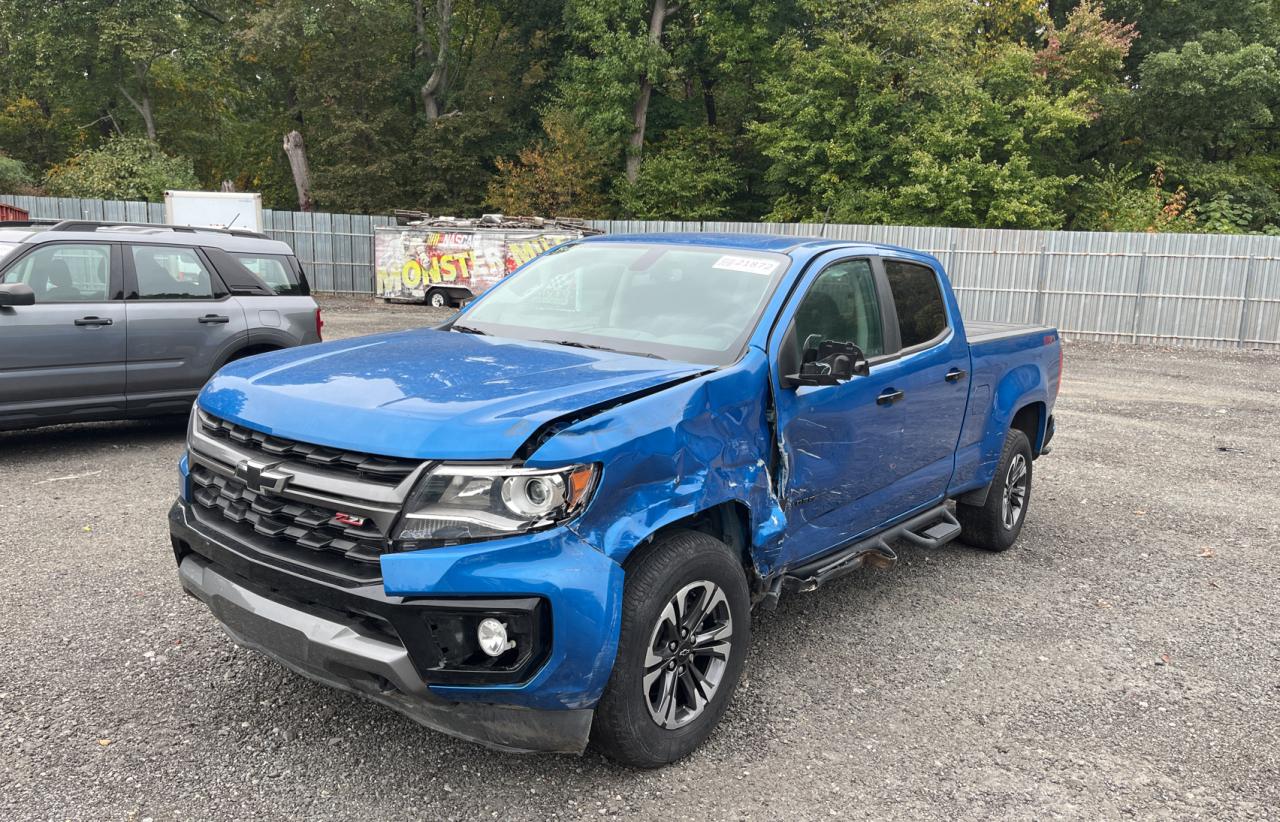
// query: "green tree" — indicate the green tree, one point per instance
point(998, 112)
point(1215, 97)
point(1117, 200)
point(125, 168)
point(1206, 112)
point(14, 176)
point(1167, 25)
point(643, 67)
point(689, 176)
point(902, 115)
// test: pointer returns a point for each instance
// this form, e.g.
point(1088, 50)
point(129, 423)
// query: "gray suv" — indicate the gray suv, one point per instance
point(107, 321)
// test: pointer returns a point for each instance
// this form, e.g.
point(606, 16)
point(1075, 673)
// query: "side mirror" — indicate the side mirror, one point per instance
point(16, 294)
point(829, 363)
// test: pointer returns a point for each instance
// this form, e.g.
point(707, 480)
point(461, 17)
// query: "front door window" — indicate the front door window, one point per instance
point(842, 306)
point(65, 272)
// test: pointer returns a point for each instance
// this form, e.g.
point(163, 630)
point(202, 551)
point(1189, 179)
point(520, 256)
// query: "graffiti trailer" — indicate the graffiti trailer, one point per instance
point(446, 261)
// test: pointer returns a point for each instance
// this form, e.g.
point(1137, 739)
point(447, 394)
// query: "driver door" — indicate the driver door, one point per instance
point(840, 444)
point(64, 357)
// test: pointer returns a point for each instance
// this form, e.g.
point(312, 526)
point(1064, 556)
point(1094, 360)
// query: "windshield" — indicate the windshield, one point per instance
point(675, 302)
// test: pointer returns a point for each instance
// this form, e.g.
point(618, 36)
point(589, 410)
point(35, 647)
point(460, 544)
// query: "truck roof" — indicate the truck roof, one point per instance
point(779, 243)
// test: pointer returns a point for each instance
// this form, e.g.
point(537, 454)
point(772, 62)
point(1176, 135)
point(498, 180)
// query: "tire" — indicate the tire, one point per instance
point(995, 525)
point(438, 299)
point(686, 566)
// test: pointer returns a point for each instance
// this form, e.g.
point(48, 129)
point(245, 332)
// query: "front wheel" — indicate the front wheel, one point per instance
point(686, 629)
point(995, 524)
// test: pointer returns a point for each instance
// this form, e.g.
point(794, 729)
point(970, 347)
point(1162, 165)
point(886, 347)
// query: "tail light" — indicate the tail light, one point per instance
point(1061, 363)
point(319, 325)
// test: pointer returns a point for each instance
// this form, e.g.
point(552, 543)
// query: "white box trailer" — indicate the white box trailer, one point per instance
point(214, 209)
point(446, 261)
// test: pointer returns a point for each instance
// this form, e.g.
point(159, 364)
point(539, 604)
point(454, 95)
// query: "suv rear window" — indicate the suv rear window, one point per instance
point(275, 270)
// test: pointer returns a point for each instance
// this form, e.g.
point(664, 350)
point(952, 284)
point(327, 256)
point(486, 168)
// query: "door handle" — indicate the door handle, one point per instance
point(889, 396)
point(92, 321)
point(956, 375)
point(214, 318)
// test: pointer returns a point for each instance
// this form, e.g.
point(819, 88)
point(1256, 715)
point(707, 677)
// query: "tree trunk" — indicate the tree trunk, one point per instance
point(436, 54)
point(709, 98)
point(640, 112)
point(142, 105)
point(639, 117)
point(297, 154)
point(228, 186)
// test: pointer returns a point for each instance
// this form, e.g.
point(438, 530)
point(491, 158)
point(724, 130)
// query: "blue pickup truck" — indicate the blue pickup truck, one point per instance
point(546, 522)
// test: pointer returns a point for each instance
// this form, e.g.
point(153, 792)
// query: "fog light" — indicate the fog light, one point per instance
point(492, 636)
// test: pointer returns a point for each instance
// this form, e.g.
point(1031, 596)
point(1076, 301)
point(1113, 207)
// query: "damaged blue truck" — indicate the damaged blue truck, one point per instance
point(546, 522)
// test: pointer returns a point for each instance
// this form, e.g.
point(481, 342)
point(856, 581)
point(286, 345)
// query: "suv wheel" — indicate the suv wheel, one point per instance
point(686, 628)
point(995, 525)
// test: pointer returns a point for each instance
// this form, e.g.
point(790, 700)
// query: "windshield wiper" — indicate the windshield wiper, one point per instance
point(576, 344)
point(466, 329)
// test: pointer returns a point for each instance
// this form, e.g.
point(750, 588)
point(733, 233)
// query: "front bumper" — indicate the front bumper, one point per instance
point(322, 631)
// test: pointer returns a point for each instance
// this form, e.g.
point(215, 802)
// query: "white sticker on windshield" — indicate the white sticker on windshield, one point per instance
point(751, 265)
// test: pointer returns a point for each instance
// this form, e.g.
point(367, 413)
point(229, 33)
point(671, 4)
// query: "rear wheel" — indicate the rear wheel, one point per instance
point(686, 628)
point(995, 524)
point(438, 299)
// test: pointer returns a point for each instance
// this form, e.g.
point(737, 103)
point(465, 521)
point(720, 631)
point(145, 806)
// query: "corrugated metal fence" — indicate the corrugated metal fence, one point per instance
point(1192, 289)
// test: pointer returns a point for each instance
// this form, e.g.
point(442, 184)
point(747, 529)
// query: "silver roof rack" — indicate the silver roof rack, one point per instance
point(95, 225)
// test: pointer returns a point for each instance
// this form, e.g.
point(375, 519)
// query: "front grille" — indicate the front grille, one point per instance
point(277, 518)
point(385, 470)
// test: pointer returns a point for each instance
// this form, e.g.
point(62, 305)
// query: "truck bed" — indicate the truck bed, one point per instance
point(980, 332)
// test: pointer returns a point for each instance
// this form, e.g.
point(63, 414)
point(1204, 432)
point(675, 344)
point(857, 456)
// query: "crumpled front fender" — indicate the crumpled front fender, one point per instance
point(674, 453)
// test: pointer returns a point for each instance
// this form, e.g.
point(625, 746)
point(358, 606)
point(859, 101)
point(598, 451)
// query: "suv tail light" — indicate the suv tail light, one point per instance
point(319, 325)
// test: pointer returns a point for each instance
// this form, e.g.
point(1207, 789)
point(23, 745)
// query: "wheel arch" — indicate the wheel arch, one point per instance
point(250, 350)
point(1030, 419)
point(728, 521)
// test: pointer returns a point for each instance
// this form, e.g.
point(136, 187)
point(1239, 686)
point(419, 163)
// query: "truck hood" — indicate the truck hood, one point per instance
point(426, 394)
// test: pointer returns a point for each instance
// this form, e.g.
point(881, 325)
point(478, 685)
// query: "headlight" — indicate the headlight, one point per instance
point(460, 503)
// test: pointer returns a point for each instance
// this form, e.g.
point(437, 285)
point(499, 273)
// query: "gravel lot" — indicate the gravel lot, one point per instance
point(1122, 661)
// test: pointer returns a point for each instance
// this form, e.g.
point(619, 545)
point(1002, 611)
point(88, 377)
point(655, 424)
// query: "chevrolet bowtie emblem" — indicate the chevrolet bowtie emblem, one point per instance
point(262, 477)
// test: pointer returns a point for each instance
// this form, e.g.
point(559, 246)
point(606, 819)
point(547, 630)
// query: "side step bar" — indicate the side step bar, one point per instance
point(932, 529)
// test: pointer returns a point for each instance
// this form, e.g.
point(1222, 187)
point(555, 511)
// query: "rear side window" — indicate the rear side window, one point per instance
point(917, 296)
point(273, 269)
point(172, 273)
point(65, 272)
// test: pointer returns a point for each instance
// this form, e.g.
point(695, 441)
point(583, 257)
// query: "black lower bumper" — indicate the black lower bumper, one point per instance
point(326, 647)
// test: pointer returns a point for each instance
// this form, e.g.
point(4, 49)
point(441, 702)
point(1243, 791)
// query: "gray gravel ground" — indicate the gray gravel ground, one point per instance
point(1121, 661)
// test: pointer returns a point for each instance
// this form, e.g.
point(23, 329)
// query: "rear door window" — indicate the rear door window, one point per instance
point(273, 269)
point(173, 273)
point(917, 298)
